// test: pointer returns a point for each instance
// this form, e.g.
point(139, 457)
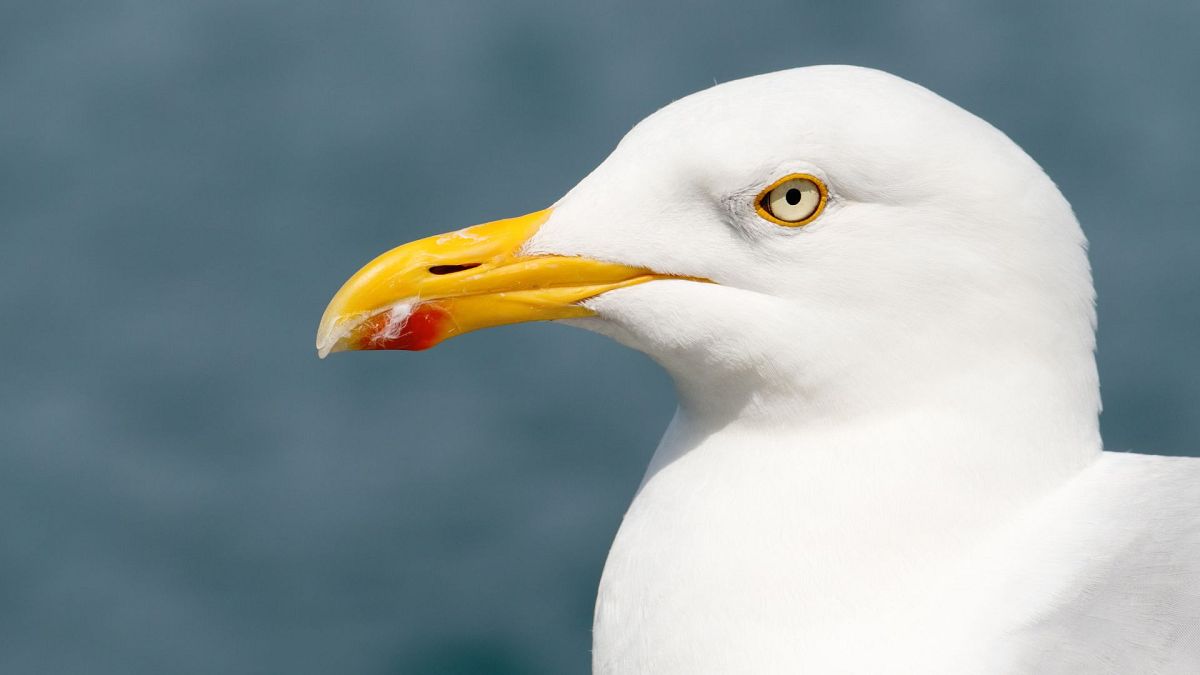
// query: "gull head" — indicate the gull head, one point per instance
point(824, 240)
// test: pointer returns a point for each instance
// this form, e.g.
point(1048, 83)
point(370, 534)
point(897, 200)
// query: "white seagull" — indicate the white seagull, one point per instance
point(879, 316)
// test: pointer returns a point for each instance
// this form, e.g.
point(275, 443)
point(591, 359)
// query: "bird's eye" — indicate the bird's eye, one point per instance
point(793, 200)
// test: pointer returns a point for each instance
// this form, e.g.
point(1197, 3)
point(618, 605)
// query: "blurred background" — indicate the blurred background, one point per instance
point(185, 488)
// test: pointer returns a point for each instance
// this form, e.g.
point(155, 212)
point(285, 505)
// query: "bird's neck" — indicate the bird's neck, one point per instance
point(812, 522)
point(1006, 407)
point(968, 442)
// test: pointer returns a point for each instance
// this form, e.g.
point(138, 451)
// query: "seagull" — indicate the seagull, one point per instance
point(879, 317)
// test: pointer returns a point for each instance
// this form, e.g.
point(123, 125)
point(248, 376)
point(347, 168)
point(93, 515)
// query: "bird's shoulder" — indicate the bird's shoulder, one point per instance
point(1110, 575)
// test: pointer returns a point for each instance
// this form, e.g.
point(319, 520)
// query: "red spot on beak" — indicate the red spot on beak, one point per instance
point(423, 328)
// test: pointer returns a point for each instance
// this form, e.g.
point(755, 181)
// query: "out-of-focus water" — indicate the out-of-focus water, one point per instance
point(184, 488)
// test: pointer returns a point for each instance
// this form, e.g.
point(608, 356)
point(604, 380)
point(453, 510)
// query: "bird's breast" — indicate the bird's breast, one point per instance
point(726, 562)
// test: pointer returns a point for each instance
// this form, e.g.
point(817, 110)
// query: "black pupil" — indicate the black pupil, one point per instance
point(793, 196)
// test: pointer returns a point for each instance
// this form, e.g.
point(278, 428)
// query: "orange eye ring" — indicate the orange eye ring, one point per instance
point(797, 184)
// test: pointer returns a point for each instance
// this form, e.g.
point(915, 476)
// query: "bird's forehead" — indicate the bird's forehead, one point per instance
point(824, 115)
point(805, 98)
point(872, 135)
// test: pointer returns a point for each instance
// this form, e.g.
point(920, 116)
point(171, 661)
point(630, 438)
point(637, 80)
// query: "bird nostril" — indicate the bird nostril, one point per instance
point(451, 269)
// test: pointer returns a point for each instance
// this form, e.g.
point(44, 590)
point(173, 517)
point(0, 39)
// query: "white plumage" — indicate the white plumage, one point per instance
point(886, 457)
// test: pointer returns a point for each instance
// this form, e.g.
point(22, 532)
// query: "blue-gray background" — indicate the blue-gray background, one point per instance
point(184, 488)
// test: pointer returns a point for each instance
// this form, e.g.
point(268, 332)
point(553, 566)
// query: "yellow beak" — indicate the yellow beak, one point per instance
point(419, 294)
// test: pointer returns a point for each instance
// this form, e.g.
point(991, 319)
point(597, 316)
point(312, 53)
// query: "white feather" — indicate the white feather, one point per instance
point(886, 456)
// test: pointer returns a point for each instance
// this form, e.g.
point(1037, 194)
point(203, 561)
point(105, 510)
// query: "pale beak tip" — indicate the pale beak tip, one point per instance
point(331, 337)
point(324, 350)
point(332, 347)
